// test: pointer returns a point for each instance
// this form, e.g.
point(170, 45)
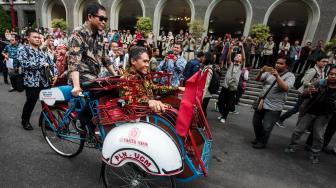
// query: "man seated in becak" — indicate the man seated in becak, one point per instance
point(146, 90)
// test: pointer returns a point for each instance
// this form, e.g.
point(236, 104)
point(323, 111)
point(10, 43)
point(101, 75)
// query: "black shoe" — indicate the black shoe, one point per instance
point(254, 142)
point(11, 90)
point(307, 148)
point(6, 82)
point(259, 146)
point(27, 126)
point(329, 151)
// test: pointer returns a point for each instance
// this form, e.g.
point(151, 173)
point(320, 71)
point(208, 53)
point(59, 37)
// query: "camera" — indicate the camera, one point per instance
point(170, 55)
point(141, 43)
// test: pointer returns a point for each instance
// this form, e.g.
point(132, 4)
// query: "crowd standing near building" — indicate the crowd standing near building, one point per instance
point(50, 57)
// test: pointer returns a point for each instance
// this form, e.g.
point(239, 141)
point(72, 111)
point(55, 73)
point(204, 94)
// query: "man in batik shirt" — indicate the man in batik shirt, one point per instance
point(87, 54)
point(146, 90)
point(34, 62)
point(86, 48)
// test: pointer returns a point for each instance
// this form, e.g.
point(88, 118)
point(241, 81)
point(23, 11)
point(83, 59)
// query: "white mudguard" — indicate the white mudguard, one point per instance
point(144, 144)
point(50, 96)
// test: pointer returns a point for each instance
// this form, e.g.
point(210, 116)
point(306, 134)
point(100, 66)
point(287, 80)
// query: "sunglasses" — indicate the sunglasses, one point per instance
point(101, 18)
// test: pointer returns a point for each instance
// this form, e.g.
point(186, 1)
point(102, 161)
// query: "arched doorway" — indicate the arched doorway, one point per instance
point(52, 9)
point(228, 17)
point(296, 19)
point(128, 14)
point(173, 15)
point(124, 13)
point(79, 11)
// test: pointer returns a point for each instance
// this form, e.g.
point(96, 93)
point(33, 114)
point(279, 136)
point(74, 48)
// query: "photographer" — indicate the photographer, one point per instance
point(226, 99)
point(173, 63)
point(315, 112)
point(276, 84)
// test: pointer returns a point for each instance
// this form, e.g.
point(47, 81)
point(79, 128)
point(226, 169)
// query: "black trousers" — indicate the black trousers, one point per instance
point(32, 95)
point(263, 123)
point(4, 72)
point(85, 115)
point(329, 133)
point(205, 105)
point(226, 102)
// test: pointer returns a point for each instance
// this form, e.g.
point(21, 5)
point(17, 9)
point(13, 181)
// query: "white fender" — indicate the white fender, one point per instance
point(144, 144)
point(50, 96)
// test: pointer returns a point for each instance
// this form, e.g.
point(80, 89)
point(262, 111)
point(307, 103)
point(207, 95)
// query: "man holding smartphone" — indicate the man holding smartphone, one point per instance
point(276, 84)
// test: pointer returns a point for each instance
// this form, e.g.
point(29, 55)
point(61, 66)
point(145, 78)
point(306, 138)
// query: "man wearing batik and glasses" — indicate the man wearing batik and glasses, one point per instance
point(87, 54)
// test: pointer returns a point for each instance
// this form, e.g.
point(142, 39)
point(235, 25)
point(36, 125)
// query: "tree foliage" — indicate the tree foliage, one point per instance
point(330, 45)
point(144, 25)
point(59, 23)
point(260, 31)
point(4, 20)
point(196, 28)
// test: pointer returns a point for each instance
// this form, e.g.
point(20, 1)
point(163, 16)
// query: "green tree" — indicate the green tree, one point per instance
point(197, 29)
point(4, 20)
point(260, 31)
point(330, 45)
point(34, 25)
point(59, 23)
point(144, 25)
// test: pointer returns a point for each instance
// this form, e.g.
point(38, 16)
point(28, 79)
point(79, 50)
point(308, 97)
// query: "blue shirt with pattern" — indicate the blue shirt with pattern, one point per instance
point(11, 50)
point(32, 62)
point(175, 68)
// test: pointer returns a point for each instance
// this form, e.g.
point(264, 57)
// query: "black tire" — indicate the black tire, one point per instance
point(130, 175)
point(58, 139)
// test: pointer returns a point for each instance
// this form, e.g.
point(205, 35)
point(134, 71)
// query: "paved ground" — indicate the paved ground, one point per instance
point(27, 161)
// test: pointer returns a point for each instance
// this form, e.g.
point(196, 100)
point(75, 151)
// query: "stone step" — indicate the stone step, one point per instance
point(249, 102)
point(259, 90)
point(256, 94)
point(251, 97)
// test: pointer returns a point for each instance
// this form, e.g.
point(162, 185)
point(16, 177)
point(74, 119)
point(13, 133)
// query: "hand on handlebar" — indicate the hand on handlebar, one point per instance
point(157, 106)
point(76, 91)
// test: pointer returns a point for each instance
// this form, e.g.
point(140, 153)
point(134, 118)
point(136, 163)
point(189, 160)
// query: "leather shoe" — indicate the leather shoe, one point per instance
point(27, 126)
point(11, 90)
point(259, 146)
point(255, 141)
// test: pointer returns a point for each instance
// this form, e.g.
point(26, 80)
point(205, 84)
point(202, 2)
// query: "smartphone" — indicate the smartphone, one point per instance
point(268, 69)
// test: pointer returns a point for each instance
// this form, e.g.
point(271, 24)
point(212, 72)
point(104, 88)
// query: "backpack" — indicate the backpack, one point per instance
point(298, 81)
point(215, 80)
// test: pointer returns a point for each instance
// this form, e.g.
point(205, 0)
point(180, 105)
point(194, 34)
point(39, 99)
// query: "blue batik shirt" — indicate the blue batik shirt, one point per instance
point(11, 50)
point(176, 69)
point(32, 62)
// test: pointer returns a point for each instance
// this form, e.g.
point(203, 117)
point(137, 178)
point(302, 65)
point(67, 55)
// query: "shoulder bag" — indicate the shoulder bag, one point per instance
point(259, 102)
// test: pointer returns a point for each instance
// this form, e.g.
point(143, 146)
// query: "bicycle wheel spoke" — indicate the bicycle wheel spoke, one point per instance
point(64, 140)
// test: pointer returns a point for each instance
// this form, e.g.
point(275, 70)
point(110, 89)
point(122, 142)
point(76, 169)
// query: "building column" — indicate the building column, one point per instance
point(69, 6)
point(21, 18)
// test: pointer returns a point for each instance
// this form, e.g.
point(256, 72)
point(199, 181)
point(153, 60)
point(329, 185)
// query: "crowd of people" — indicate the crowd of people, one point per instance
point(50, 57)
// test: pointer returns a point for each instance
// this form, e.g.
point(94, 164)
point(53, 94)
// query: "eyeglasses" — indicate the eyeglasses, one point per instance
point(101, 18)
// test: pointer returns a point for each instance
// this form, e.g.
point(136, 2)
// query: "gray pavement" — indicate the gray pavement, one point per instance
point(27, 161)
